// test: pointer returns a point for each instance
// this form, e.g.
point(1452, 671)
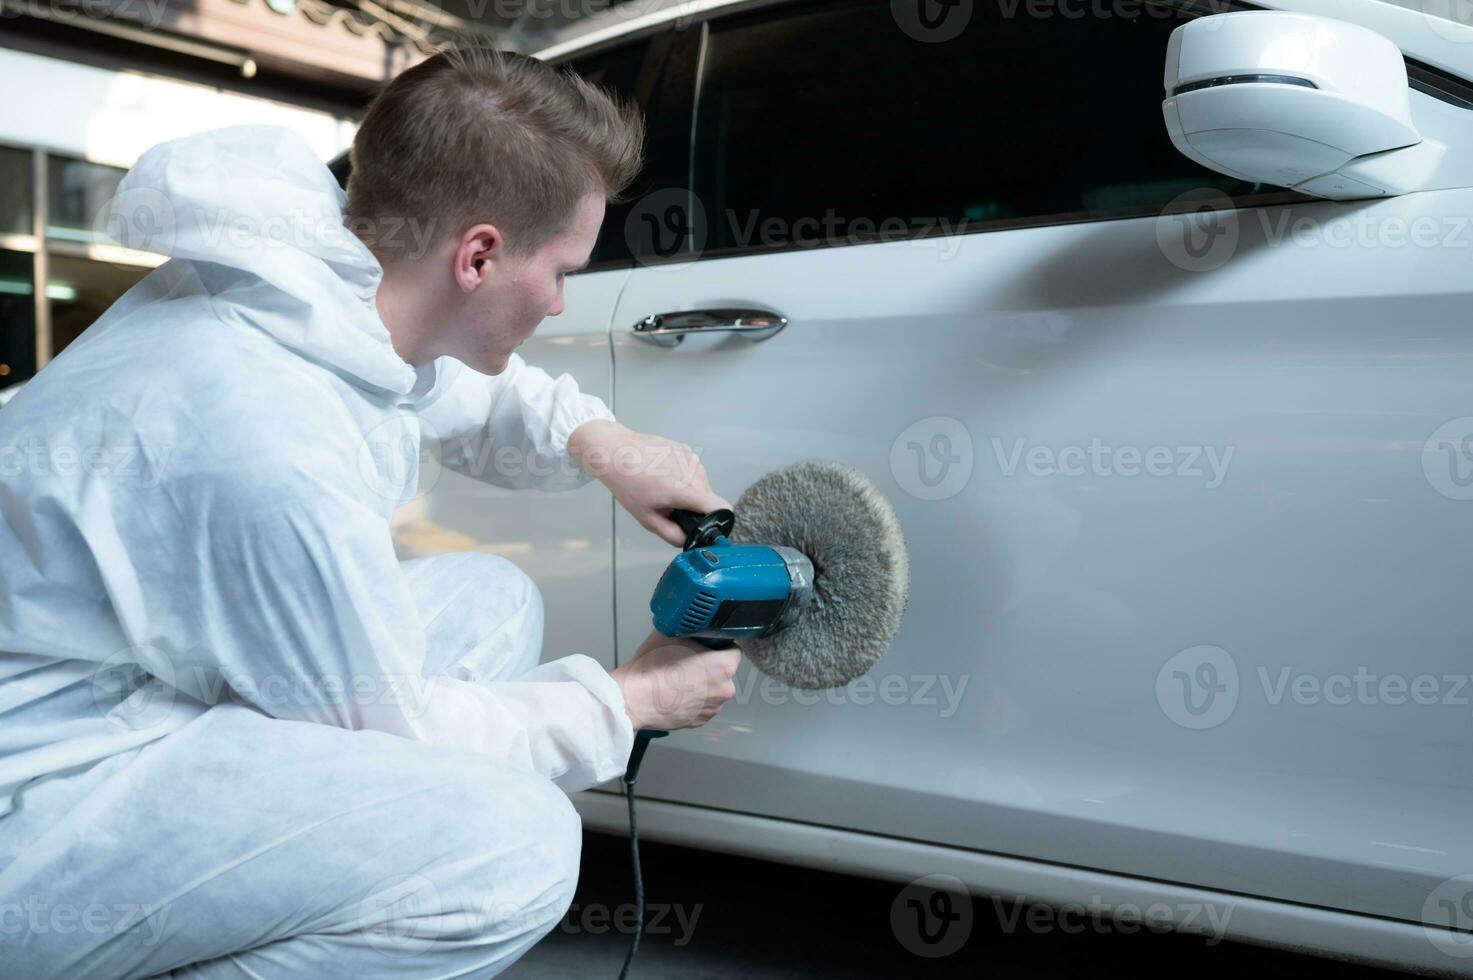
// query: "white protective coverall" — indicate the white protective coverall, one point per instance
point(238, 737)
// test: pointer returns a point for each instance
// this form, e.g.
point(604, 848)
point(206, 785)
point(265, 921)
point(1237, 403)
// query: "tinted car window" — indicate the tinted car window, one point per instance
point(659, 75)
point(616, 68)
point(855, 118)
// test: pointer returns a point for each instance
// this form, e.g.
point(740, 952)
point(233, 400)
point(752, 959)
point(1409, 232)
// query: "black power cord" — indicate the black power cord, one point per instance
point(641, 742)
point(700, 530)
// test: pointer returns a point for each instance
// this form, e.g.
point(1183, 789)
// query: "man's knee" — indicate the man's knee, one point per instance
point(501, 574)
point(512, 867)
point(484, 615)
point(474, 574)
point(499, 578)
point(558, 833)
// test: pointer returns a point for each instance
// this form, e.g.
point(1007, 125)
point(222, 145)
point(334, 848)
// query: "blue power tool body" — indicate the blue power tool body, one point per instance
point(716, 592)
point(719, 591)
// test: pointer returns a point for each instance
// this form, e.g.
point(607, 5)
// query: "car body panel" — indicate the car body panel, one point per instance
point(1032, 707)
point(1172, 673)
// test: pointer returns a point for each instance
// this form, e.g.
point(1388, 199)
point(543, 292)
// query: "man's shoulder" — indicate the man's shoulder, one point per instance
point(199, 415)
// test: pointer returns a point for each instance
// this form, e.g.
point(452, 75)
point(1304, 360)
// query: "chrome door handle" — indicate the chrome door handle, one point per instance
point(669, 329)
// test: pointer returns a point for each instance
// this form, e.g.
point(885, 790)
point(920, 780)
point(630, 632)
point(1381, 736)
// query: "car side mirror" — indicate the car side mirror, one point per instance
point(1318, 105)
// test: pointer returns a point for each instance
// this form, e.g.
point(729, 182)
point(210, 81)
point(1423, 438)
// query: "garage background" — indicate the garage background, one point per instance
point(91, 84)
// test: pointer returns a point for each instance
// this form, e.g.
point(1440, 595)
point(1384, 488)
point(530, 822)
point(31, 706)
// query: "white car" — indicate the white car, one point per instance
point(1184, 458)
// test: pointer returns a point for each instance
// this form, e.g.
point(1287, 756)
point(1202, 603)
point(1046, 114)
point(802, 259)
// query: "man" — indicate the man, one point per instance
point(238, 738)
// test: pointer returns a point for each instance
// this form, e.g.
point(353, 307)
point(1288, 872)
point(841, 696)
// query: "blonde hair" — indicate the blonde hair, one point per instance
point(477, 135)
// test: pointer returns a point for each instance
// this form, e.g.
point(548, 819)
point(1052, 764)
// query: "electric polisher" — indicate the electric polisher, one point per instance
point(810, 574)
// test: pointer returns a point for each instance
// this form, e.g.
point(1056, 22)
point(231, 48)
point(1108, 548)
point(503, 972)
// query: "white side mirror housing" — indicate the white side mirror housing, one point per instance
point(1318, 105)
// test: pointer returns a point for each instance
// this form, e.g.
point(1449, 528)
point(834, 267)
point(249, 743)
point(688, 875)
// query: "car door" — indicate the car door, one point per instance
point(561, 539)
point(1155, 457)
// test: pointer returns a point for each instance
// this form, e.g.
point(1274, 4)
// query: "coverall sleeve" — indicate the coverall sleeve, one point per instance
point(510, 429)
point(305, 613)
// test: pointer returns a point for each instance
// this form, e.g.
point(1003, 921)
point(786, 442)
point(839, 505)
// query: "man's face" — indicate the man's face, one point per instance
point(505, 309)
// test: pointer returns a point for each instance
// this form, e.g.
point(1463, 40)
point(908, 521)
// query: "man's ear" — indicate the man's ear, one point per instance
point(480, 248)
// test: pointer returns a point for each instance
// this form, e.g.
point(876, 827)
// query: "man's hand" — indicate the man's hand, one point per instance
point(674, 684)
point(649, 475)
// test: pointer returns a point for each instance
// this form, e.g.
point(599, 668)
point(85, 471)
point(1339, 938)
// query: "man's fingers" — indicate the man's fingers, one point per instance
point(702, 500)
point(667, 529)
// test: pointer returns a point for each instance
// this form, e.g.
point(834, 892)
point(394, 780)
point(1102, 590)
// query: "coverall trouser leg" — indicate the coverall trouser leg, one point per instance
point(243, 845)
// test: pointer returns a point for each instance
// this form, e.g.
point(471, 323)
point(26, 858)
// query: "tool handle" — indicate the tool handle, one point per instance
point(644, 736)
point(702, 529)
point(642, 739)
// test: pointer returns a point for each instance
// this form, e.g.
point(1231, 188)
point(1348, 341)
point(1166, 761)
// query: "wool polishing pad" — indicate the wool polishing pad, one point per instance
point(861, 572)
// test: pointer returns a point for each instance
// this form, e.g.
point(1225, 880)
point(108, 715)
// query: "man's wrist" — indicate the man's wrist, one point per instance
point(621, 677)
point(590, 440)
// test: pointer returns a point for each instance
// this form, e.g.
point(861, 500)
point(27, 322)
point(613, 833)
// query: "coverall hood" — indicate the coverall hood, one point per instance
point(276, 216)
